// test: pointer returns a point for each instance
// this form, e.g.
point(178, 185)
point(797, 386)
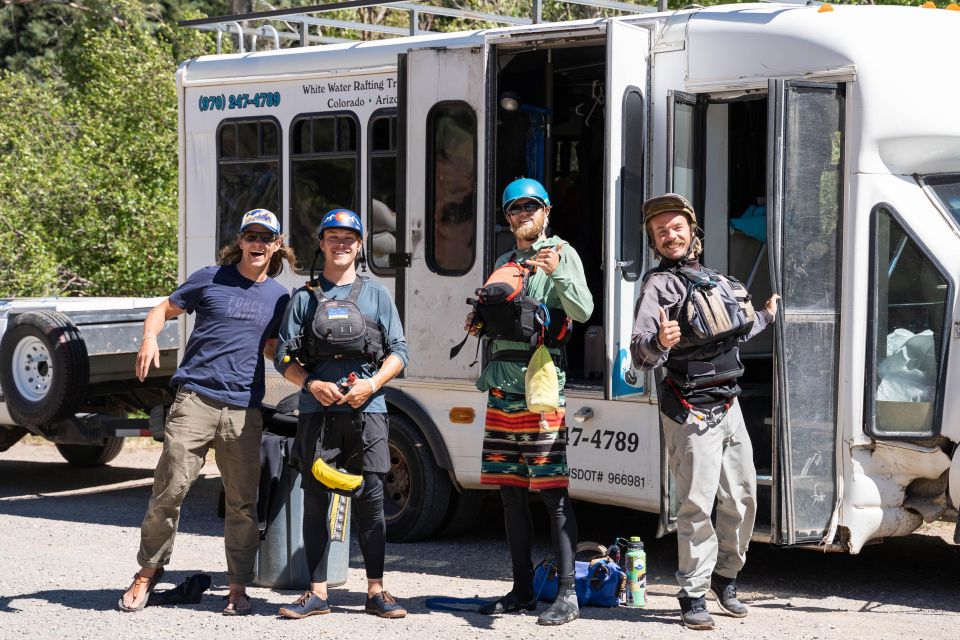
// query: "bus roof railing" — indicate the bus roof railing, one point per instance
point(294, 24)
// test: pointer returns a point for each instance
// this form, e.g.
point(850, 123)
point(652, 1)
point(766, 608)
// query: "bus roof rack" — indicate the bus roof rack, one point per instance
point(294, 24)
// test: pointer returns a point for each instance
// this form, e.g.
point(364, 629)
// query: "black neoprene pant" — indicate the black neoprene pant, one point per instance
point(367, 511)
point(519, 525)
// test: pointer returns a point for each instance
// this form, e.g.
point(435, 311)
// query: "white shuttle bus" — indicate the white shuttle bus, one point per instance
point(821, 148)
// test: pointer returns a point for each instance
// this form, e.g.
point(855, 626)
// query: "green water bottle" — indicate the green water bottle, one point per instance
point(635, 566)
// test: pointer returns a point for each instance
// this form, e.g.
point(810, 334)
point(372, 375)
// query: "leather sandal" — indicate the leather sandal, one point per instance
point(233, 606)
point(139, 581)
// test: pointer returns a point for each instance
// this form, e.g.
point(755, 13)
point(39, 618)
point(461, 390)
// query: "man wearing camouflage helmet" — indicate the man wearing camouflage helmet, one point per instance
point(707, 443)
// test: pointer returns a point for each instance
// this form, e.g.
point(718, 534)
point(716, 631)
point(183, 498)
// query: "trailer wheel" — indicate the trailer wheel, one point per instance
point(416, 490)
point(91, 455)
point(463, 512)
point(43, 368)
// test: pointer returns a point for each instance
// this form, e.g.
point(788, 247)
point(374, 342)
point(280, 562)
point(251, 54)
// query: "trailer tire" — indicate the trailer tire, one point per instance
point(464, 510)
point(44, 369)
point(416, 491)
point(91, 455)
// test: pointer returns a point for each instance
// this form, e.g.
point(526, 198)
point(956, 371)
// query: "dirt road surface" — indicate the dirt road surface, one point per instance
point(69, 537)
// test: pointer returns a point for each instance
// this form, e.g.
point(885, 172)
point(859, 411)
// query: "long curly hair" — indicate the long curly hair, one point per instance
point(232, 253)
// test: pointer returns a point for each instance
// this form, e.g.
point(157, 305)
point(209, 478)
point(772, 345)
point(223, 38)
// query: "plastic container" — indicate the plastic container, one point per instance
point(635, 566)
point(281, 558)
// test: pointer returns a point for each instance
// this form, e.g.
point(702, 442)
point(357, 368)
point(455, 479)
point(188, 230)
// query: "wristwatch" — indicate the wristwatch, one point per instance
point(307, 381)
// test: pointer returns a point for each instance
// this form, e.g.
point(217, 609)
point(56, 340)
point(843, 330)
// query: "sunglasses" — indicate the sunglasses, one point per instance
point(265, 237)
point(529, 207)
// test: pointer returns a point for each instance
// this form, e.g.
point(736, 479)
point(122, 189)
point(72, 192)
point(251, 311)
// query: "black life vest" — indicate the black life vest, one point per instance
point(338, 330)
point(715, 312)
point(504, 311)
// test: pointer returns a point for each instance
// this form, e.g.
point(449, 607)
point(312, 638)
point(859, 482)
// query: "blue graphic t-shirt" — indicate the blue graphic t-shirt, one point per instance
point(235, 317)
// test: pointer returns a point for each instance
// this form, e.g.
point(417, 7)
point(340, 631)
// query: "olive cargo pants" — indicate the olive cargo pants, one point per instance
point(195, 424)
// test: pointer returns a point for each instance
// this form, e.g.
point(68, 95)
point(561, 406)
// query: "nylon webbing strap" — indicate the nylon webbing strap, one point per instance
point(339, 512)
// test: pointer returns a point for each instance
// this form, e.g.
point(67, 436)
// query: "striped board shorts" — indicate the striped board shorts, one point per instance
point(516, 451)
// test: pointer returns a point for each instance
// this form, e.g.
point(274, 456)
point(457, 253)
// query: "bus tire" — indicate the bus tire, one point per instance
point(44, 369)
point(464, 510)
point(416, 491)
point(91, 455)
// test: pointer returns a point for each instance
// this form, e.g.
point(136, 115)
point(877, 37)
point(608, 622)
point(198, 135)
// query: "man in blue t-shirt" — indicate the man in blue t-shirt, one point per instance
point(238, 307)
point(343, 420)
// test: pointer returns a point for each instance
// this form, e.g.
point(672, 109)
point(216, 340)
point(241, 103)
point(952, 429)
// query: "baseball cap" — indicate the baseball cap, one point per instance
point(263, 217)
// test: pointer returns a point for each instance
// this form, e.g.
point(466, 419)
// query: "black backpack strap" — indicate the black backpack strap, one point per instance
point(356, 289)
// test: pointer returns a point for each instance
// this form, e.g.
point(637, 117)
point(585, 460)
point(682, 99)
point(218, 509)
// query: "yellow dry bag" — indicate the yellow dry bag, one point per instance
point(542, 385)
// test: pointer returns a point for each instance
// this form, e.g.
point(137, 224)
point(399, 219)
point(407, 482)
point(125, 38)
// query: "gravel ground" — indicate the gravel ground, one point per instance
point(69, 539)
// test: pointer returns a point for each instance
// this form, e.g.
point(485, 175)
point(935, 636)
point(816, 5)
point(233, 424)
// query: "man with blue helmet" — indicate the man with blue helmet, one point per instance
point(521, 451)
point(343, 414)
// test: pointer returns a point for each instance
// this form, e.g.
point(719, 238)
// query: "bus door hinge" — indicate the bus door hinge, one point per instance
point(956, 330)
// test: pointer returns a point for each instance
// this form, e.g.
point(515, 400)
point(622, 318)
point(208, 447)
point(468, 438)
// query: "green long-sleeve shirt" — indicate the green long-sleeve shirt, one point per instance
point(565, 288)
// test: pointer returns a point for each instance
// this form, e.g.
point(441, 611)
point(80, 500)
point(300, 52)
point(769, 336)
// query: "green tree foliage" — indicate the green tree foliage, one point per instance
point(88, 173)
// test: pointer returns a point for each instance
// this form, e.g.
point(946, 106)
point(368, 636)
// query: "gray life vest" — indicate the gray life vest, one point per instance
point(714, 313)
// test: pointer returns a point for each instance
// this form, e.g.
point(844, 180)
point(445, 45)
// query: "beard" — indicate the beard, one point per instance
point(529, 233)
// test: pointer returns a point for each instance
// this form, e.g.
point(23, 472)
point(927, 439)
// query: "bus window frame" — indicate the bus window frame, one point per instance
point(279, 159)
point(633, 272)
point(387, 112)
point(357, 182)
point(870, 391)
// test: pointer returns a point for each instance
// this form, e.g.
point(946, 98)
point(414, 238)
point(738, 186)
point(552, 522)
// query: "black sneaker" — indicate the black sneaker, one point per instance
point(509, 604)
point(693, 613)
point(725, 589)
point(563, 610)
point(309, 604)
point(384, 605)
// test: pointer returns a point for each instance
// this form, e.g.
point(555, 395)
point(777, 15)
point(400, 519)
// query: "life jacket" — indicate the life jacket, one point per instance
point(714, 313)
point(338, 330)
point(504, 311)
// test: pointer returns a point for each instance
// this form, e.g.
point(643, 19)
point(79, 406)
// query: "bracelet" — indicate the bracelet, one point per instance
point(373, 385)
point(145, 338)
point(306, 383)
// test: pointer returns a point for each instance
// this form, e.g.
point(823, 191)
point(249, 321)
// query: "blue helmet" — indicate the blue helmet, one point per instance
point(524, 188)
point(340, 219)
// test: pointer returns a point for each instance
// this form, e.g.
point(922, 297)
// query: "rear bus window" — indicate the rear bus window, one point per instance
point(382, 190)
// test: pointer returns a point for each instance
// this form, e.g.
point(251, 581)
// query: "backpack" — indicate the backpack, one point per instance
point(339, 330)
point(504, 311)
point(716, 306)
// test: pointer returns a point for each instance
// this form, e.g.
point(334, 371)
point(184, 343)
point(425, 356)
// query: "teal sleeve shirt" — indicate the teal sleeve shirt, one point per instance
point(565, 288)
point(374, 302)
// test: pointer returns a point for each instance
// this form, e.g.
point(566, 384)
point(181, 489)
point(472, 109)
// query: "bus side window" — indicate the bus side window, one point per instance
point(908, 325)
point(451, 188)
point(324, 167)
point(248, 172)
point(382, 191)
point(632, 243)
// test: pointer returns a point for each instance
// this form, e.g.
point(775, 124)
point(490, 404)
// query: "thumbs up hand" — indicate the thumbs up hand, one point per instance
point(669, 333)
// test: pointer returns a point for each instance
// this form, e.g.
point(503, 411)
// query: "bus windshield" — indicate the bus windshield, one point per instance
point(946, 186)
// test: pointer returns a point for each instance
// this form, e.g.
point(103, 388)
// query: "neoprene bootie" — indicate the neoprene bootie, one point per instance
point(563, 610)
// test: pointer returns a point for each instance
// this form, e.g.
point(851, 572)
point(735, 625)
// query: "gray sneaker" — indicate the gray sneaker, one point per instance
point(725, 590)
point(693, 613)
point(309, 604)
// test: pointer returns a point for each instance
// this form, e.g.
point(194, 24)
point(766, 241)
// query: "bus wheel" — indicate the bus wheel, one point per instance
point(416, 491)
point(43, 368)
point(463, 512)
point(91, 455)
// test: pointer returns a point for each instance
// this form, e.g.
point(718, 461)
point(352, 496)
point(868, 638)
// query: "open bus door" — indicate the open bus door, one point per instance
point(628, 48)
point(804, 235)
point(440, 247)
